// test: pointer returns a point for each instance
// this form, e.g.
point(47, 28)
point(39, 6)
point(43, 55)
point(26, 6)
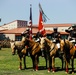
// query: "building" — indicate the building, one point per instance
point(14, 29)
point(61, 27)
point(14, 24)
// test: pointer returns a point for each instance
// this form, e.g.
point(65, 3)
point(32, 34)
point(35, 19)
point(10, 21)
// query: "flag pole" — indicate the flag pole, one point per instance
point(30, 26)
point(0, 19)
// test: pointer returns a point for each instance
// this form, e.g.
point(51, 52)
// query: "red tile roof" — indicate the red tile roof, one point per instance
point(64, 33)
point(20, 30)
point(14, 31)
point(57, 25)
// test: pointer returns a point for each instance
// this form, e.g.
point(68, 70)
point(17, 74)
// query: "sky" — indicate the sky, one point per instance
point(58, 11)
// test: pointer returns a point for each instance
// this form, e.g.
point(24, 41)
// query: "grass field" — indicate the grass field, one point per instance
point(9, 65)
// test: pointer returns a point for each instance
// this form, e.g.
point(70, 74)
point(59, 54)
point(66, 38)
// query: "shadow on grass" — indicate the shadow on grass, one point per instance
point(39, 68)
point(57, 69)
point(70, 70)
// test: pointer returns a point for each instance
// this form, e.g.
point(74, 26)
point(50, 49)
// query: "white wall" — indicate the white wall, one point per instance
point(10, 36)
point(60, 29)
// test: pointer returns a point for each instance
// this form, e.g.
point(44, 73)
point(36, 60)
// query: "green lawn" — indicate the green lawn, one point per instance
point(9, 65)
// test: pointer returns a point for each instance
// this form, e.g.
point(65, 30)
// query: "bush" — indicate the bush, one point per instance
point(5, 43)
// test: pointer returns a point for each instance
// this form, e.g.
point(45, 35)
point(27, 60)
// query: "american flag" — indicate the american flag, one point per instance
point(30, 22)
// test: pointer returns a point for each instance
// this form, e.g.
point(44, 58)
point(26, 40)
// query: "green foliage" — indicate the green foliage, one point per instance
point(9, 65)
point(5, 44)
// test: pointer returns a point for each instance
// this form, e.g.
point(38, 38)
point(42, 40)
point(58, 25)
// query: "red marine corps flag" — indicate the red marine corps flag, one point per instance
point(30, 22)
point(42, 19)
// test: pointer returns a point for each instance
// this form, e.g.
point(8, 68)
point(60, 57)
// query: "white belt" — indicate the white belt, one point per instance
point(58, 45)
point(72, 40)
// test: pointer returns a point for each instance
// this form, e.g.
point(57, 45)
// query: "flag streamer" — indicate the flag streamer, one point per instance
point(43, 14)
